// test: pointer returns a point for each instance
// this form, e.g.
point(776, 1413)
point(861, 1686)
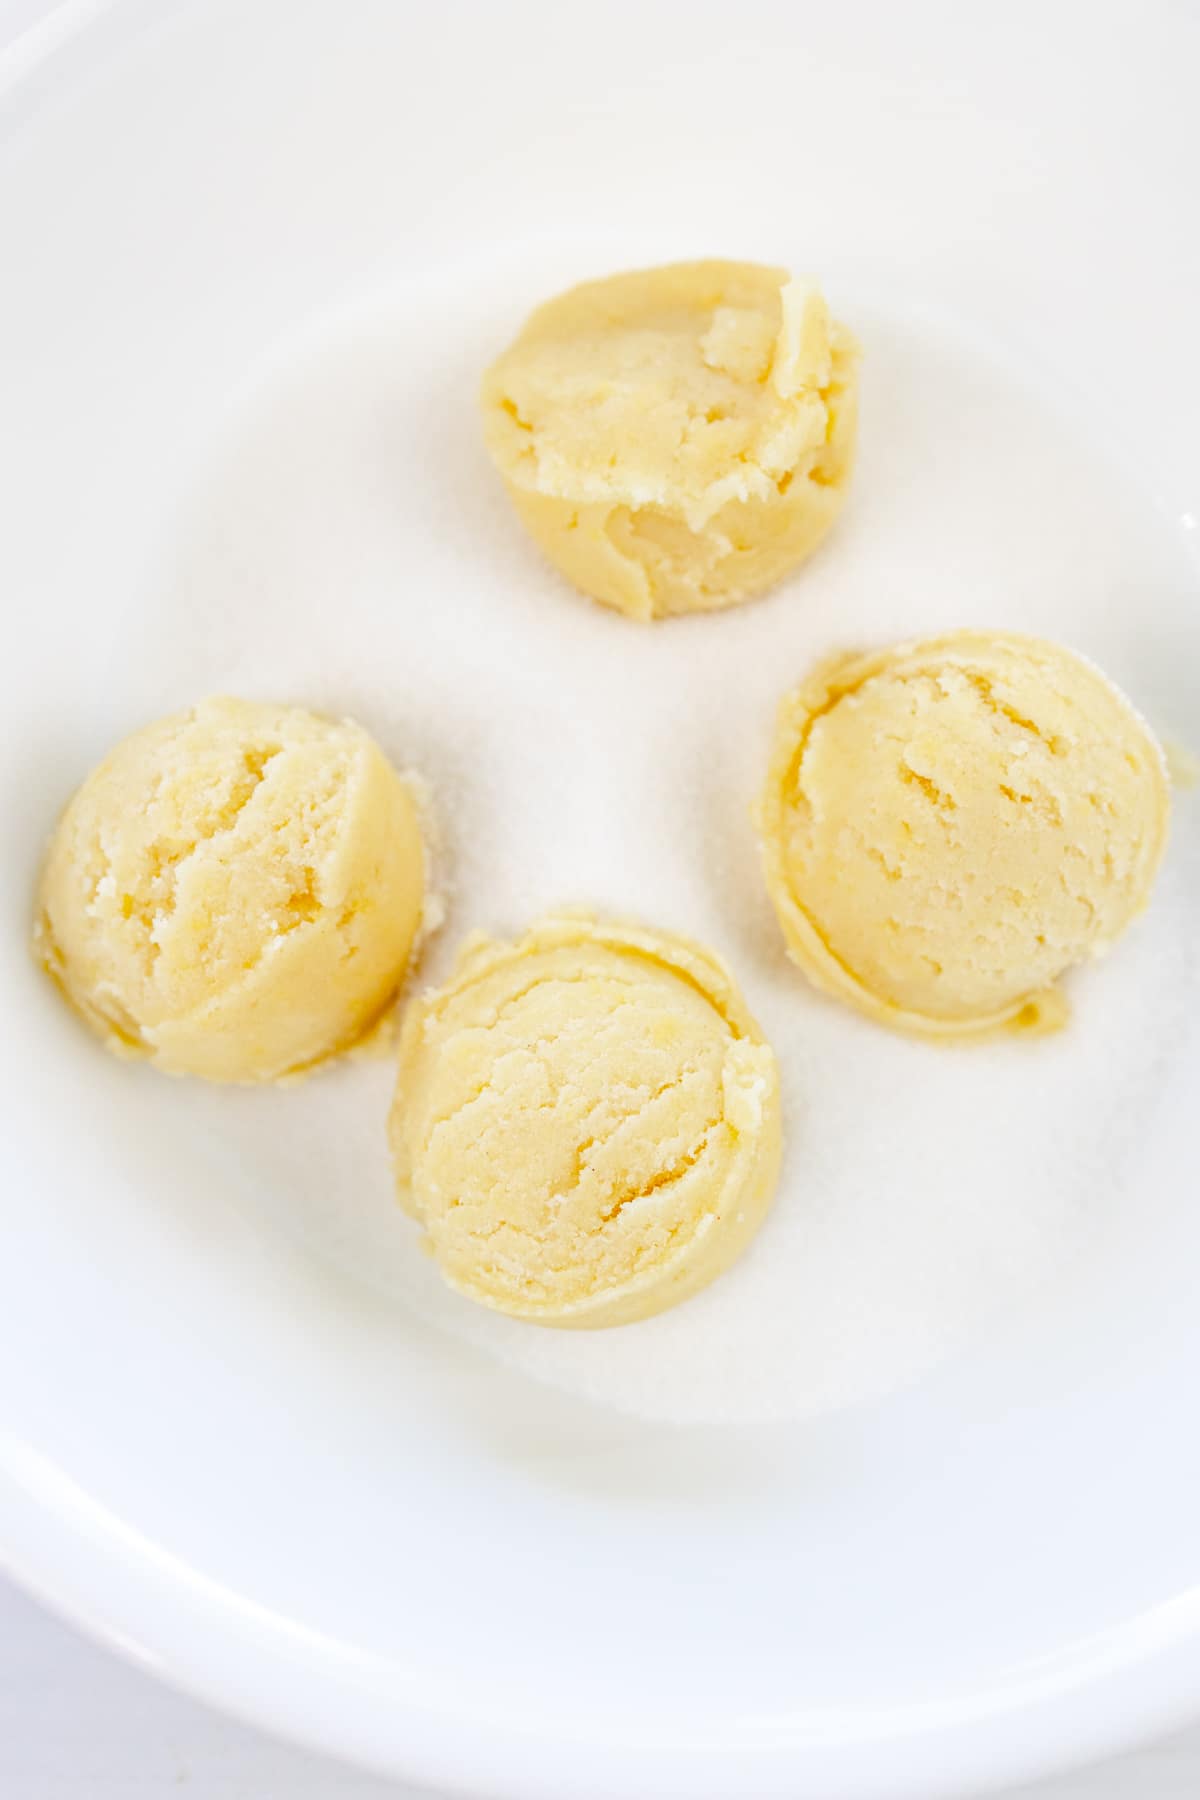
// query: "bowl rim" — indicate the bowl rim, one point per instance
point(1102, 1695)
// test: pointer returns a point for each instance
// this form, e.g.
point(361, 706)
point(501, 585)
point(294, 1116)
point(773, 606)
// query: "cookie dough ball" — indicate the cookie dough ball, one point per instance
point(586, 1122)
point(235, 892)
point(948, 826)
point(679, 438)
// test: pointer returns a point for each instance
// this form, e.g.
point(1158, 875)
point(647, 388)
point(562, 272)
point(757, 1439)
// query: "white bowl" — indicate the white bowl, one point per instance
point(235, 1439)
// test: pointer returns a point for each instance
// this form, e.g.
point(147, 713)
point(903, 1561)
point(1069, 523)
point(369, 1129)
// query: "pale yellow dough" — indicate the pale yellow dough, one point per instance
point(948, 826)
point(677, 439)
point(586, 1122)
point(235, 892)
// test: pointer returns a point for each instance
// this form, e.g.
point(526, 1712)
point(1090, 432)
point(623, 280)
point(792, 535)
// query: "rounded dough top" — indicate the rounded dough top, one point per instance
point(586, 1122)
point(677, 439)
point(948, 826)
point(235, 891)
point(683, 387)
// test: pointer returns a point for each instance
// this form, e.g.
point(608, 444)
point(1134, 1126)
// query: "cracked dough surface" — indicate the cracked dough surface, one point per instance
point(948, 826)
point(677, 439)
point(586, 1122)
point(235, 892)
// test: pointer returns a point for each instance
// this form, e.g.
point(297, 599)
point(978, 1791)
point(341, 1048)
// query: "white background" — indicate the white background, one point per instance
point(77, 1724)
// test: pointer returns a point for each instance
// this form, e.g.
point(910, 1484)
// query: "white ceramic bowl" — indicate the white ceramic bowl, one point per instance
point(223, 1447)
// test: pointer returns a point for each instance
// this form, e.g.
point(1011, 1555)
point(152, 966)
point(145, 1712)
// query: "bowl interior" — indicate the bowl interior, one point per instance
point(255, 259)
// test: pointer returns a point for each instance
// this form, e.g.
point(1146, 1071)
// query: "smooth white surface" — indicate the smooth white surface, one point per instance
point(224, 1447)
point(76, 1724)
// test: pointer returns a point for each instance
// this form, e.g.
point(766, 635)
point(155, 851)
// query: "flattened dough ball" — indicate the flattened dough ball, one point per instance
point(235, 892)
point(677, 439)
point(586, 1122)
point(948, 827)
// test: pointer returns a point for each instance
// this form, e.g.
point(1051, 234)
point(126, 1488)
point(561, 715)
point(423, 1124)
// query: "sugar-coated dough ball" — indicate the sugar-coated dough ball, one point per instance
point(586, 1122)
point(235, 892)
point(677, 439)
point(948, 826)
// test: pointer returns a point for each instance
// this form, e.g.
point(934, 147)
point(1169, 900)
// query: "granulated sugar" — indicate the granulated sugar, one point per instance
point(348, 547)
